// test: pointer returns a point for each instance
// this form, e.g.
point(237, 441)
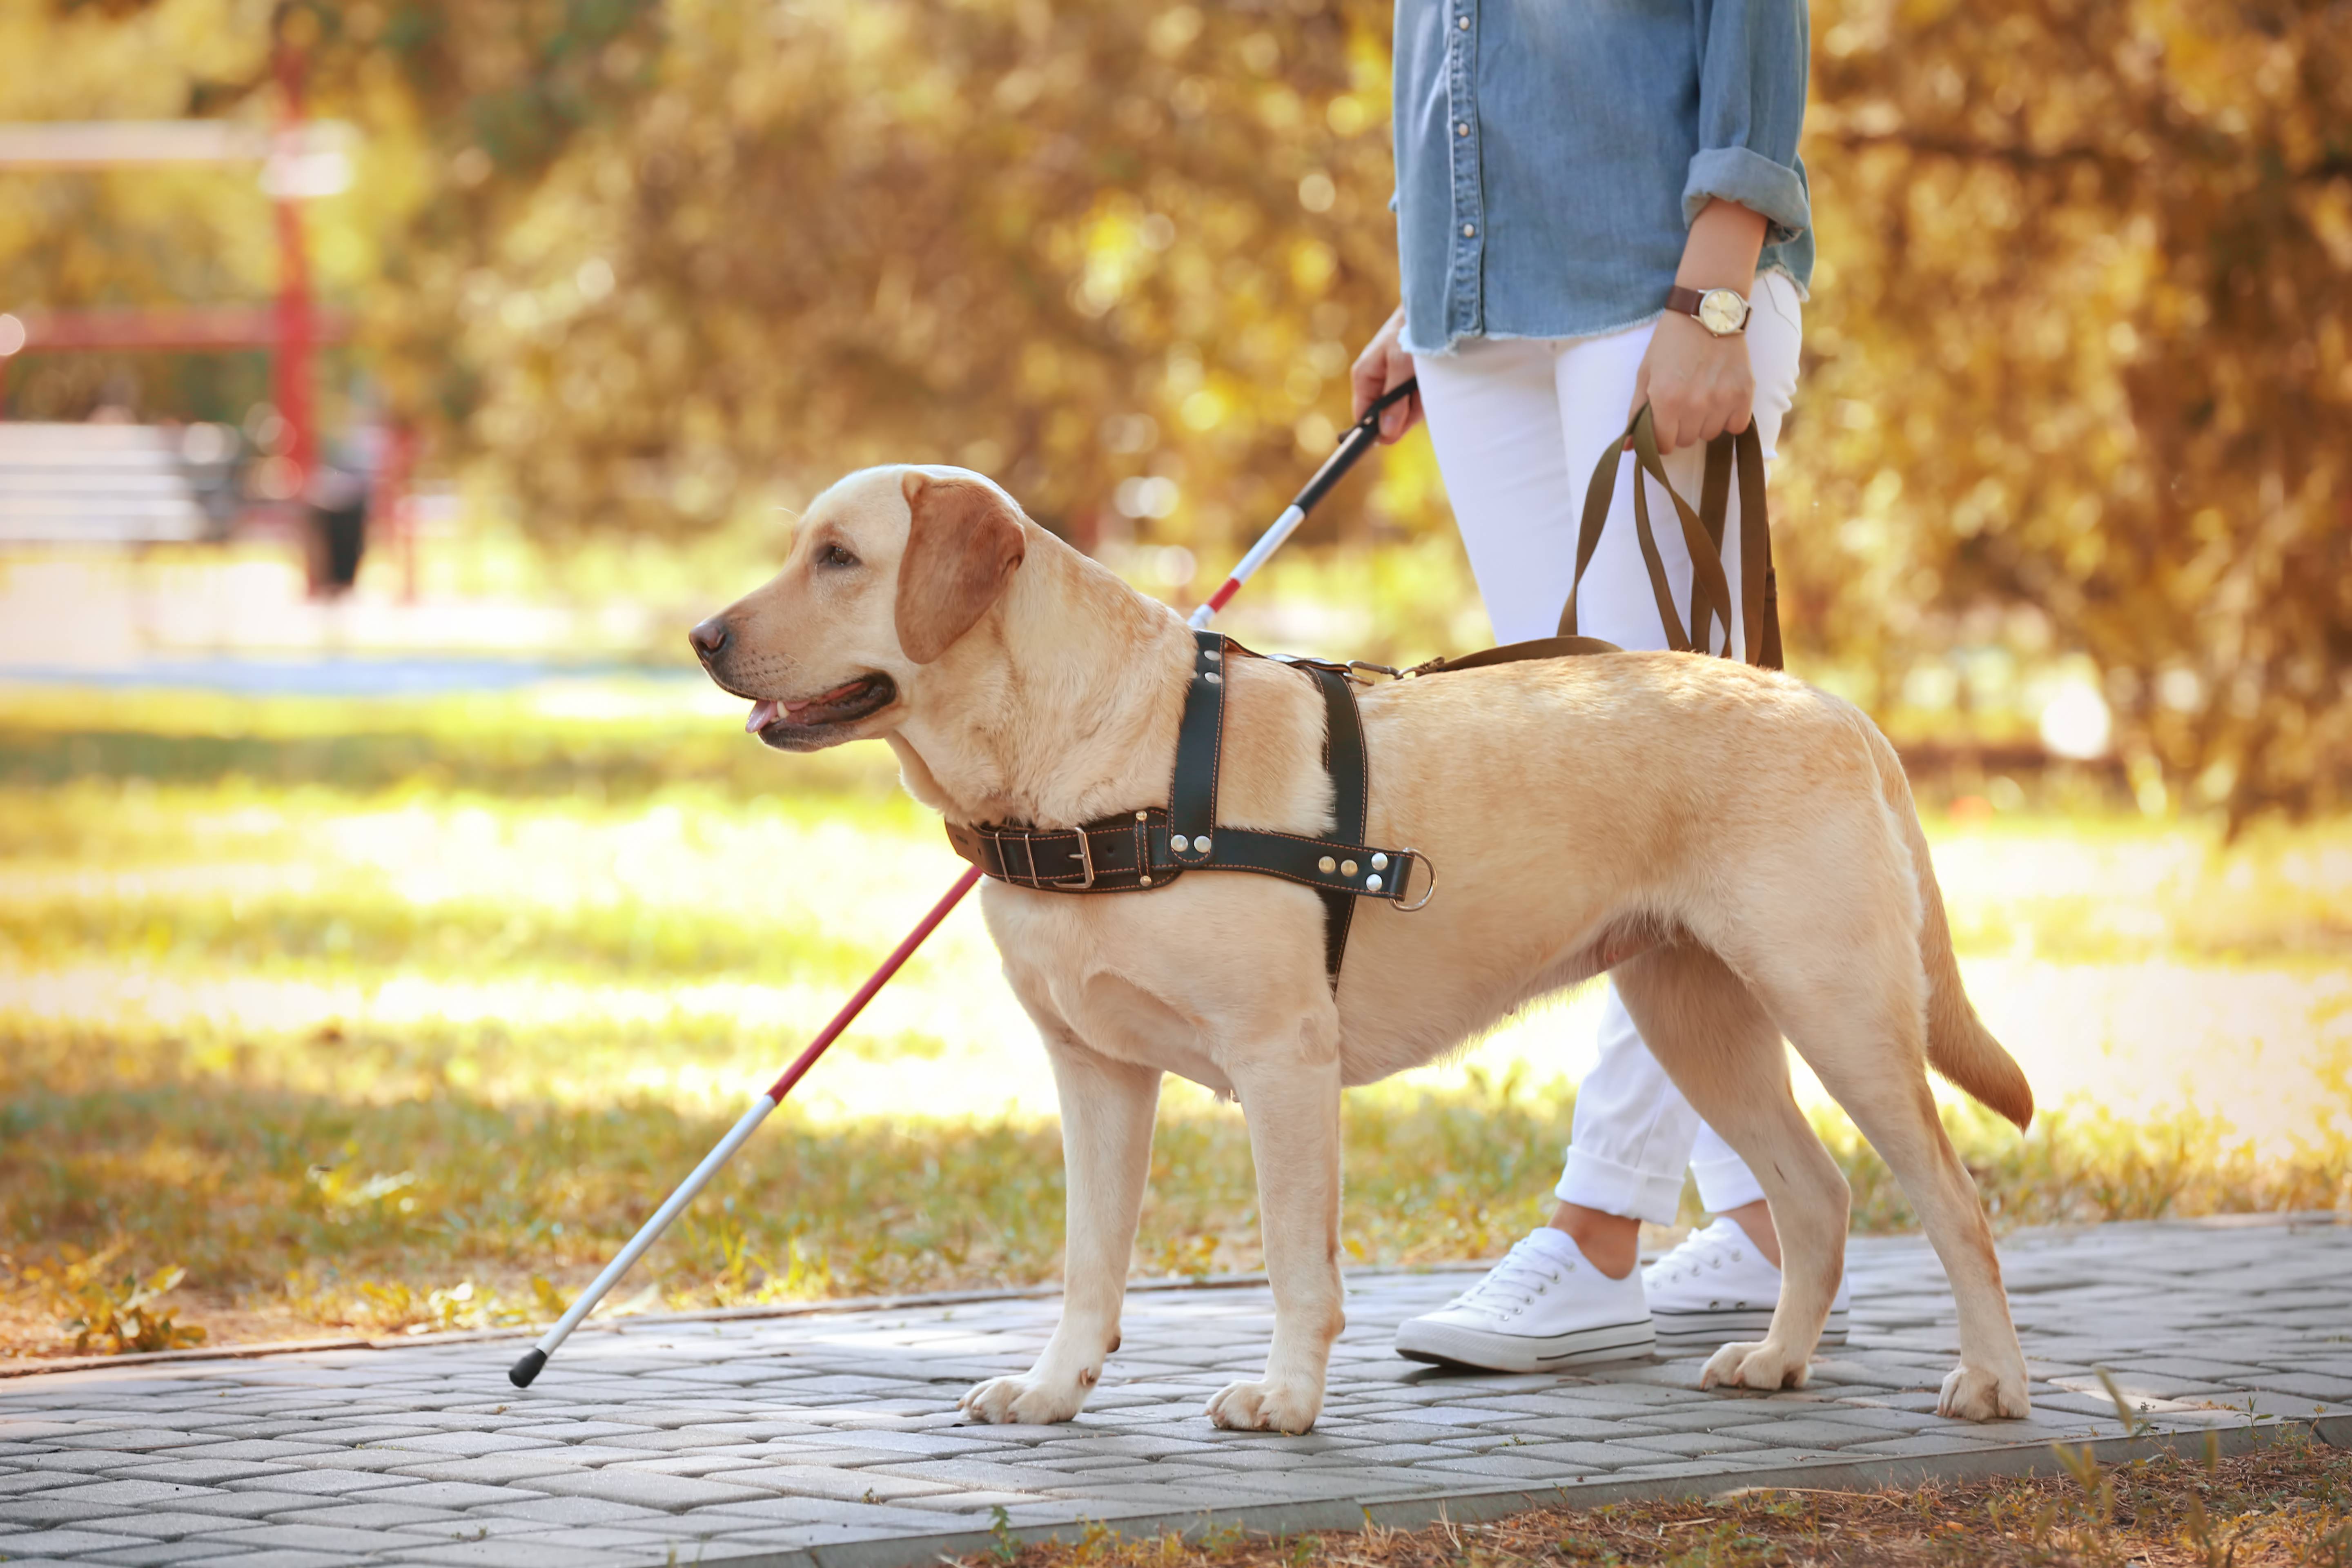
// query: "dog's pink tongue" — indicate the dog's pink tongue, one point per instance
point(763, 713)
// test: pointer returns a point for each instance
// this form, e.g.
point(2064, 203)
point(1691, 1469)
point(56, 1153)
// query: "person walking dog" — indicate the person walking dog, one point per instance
point(1598, 204)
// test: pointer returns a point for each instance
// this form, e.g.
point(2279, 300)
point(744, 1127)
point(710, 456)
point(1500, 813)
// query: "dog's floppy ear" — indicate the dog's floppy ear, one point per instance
point(962, 543)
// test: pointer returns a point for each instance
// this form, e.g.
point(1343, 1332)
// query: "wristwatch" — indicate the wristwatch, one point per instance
point(1720, 310)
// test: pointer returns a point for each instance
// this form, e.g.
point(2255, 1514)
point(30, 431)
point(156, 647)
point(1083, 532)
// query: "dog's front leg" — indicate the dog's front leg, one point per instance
point(1107, 1114)
point(1294, 1128)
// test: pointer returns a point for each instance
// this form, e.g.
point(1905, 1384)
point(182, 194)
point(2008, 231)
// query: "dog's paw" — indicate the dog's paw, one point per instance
point(1971, 1393)
point(1765, 1366)
point(1265, 1407)
point(1029, 1401)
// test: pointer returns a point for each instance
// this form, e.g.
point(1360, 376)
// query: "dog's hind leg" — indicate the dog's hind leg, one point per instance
point(1292, 1108)
point(1723, 1052)
point(1108, 1107)
point(1864, 1037)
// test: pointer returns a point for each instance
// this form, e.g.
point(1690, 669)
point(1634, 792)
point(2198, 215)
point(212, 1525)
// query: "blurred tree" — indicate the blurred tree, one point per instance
point(464, 106)
point(2082, 342)
point(151, 235)
point(1110, 253)
point(2081, 378)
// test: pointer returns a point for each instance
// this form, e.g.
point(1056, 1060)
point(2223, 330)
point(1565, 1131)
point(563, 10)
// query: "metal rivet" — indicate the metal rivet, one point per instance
point(1142, 817)
point(1379, 862)
point(1372, 883)
point(1211, 655)
point(1326, 863)
point(1200, 845)
point(1347, 868)
point(1180, 844)
point(1147, 881)
point(1215, 680)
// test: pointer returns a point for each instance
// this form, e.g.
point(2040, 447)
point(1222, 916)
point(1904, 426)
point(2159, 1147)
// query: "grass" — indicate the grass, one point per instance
point(2286, 1502)
point(403, 1014)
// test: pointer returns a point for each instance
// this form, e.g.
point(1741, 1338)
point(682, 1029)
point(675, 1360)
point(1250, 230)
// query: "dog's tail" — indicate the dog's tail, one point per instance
point(1958, 1044)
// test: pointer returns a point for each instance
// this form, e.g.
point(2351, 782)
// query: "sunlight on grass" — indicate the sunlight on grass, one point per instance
point(404, 1013)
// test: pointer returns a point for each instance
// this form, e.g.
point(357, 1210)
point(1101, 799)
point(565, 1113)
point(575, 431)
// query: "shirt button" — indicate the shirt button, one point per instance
point(1463, 23)
point(1469, 231)
point(1462, 129)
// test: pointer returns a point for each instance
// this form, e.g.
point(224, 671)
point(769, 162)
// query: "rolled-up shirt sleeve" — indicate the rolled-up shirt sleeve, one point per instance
point(1751, 108)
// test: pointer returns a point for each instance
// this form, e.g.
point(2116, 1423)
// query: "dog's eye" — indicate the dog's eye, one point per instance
point(834, 555)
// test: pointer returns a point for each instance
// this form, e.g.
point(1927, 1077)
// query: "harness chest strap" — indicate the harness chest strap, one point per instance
point(1151, 847)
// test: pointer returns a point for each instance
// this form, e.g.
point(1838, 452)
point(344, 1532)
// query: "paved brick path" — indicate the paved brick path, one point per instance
point(832, 1440)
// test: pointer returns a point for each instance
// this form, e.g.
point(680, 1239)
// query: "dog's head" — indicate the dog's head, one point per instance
point(890, 569)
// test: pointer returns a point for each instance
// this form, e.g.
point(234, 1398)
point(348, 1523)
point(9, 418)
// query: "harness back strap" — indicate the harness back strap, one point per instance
point(1344, 761)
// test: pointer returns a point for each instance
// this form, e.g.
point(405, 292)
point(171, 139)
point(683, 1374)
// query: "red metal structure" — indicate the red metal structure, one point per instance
point(292, 370)
point(292, 329)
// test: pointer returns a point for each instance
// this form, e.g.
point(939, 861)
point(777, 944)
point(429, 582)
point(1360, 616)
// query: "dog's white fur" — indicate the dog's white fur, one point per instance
point(1739, 850)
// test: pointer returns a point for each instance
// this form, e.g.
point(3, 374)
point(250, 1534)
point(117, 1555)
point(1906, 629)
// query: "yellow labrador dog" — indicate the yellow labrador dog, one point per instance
point(1739, 850)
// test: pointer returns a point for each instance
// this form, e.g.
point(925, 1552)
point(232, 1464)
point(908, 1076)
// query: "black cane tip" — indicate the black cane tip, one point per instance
point(523, 1371)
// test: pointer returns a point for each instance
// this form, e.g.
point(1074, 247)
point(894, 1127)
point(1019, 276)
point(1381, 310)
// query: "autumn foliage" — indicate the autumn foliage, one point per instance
point(2079, 350)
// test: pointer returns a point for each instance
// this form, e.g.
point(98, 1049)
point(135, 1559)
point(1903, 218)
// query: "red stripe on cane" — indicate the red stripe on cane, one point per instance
point(874, 983)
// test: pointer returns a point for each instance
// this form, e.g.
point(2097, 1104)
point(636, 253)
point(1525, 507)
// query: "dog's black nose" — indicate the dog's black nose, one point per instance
point(710, 638)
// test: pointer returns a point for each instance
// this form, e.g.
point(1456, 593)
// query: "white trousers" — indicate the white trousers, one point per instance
point(1519, 424)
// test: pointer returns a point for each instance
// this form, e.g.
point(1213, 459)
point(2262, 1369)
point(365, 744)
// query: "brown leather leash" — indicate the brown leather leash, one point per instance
point(1152, 846)
point(1702, 536)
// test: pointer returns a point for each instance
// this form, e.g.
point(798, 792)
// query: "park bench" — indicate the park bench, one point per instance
point(123, 485)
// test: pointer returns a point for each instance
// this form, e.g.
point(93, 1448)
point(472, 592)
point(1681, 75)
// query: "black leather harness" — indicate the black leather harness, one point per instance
point(1152, 848)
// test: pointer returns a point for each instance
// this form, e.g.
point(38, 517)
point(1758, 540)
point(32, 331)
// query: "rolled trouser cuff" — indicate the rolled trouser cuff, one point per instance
point(1591, 1182)
point(1725, 1184)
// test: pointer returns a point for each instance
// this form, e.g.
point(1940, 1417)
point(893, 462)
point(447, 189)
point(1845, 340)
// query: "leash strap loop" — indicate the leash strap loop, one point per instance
point(1703, 538)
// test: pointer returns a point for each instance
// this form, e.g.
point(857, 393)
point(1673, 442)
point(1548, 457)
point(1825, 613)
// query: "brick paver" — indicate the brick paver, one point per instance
point(833, 1441)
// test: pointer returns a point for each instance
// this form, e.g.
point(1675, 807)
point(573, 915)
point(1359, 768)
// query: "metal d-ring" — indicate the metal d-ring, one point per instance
point(1422, 859)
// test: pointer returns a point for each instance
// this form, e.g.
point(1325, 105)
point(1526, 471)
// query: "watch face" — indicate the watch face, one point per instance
point(1722, 310)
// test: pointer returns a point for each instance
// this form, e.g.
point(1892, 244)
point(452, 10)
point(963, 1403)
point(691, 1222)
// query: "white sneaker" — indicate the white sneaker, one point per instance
point(1543, 1308)
point(1716, 1289)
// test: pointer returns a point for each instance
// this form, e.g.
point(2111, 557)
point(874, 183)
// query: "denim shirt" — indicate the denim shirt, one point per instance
point(1551, 154)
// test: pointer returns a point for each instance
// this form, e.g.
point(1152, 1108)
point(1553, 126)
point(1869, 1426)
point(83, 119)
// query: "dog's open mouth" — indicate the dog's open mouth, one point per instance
point(792, 725)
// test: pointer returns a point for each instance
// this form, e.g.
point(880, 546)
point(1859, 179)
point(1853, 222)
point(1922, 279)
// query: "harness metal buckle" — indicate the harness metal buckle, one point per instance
point(1422, 859)
point(1356, 664)
point(1086, 857)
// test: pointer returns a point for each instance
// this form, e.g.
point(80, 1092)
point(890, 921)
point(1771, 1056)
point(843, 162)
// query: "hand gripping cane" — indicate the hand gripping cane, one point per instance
point(1352, 446)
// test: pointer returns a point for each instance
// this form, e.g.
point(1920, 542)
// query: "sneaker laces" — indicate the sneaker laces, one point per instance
point(1704, 1249)
point(1522, 1275)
